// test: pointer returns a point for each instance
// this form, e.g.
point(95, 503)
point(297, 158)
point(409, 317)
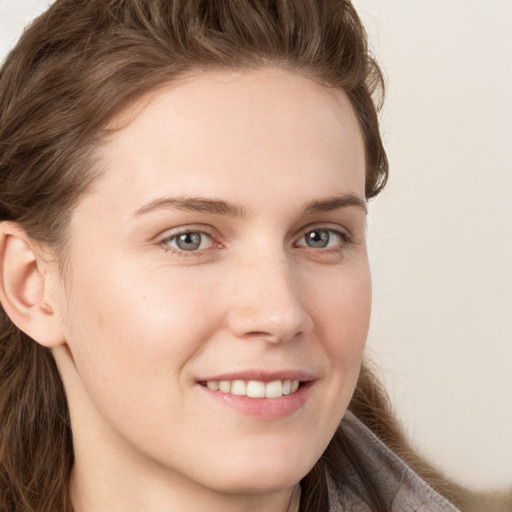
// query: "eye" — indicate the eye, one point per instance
point(322, 239)
point(190, 241)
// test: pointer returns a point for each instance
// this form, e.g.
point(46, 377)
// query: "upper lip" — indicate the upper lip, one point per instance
point(262, 375)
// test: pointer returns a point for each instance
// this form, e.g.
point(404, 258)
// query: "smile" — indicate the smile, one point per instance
point(254, 388)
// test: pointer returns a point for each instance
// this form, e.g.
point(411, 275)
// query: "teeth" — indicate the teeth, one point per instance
point(239, 387)
point(274, 389)
point(225, 386)
point(255, 388)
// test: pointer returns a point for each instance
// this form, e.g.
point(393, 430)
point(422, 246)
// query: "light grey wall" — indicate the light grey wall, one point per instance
point(441, 234)
point(14, 15)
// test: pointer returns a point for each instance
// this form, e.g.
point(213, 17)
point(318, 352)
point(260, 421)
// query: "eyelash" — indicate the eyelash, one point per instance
point(183, 253)
point(344, 238)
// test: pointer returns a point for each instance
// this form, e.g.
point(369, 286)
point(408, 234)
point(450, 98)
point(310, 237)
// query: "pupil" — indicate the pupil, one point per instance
point(189, 241)
point(317, 239)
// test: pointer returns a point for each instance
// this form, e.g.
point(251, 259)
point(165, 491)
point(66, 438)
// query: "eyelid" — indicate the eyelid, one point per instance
point(173, 233)
point(186, 228)
point(335, 228)
point(330, 253)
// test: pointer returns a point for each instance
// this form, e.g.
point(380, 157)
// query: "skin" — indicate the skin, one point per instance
point(142, 320)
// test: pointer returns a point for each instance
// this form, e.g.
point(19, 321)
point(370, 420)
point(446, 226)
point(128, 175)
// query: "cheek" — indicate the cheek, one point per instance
point(343, 322)
point(344, 316)
point(130, 339)
point(129, 327)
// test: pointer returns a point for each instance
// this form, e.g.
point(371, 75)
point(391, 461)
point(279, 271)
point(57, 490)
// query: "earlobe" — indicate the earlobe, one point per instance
point(23, 287)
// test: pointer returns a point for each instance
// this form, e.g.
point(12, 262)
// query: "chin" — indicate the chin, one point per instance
point(258, 481)
point(264, 471)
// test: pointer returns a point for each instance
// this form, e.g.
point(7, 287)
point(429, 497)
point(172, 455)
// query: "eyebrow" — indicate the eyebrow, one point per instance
point(194, 204)
point(220, 207)
point(336, 203)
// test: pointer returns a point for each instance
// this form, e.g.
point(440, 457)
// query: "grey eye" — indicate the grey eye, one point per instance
point(322, 239)
point(190, 241)
point(318, 239)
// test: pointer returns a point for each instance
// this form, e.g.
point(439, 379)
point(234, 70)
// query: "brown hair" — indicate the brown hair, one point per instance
point(73, 70)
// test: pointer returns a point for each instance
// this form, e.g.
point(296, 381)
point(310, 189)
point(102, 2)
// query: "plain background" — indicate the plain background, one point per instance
point(441, 233)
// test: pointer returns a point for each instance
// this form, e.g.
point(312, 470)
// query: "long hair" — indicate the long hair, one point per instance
point(74, 69)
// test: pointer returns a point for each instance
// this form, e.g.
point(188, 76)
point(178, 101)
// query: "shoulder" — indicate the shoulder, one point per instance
point(406, 490)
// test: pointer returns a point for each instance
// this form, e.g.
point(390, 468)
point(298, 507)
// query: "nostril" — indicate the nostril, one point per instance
point(276, 336)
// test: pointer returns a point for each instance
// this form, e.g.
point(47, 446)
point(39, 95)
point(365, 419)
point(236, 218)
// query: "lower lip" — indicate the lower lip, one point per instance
point(264, 408)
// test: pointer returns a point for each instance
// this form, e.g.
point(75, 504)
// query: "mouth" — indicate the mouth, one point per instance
point(260, 394)
point(254, 388)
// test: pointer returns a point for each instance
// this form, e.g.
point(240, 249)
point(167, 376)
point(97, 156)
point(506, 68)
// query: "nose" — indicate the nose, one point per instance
point(268, 301)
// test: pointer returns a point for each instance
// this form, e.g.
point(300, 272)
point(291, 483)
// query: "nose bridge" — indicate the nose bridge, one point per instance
point(268, 301)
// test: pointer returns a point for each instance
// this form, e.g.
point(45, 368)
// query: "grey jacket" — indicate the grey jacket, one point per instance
point(405, 489)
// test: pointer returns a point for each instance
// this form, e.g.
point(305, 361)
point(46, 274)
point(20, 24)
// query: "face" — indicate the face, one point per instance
point(223, 247)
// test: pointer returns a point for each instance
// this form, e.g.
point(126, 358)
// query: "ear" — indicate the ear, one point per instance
point(24, 290)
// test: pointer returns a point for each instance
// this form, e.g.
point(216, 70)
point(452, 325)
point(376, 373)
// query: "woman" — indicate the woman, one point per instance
point(185, 286)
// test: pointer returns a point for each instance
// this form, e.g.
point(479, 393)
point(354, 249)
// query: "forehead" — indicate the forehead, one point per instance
point(258, 126)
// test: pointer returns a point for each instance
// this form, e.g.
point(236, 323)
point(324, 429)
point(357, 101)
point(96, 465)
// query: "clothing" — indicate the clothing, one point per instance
point(404, 488)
